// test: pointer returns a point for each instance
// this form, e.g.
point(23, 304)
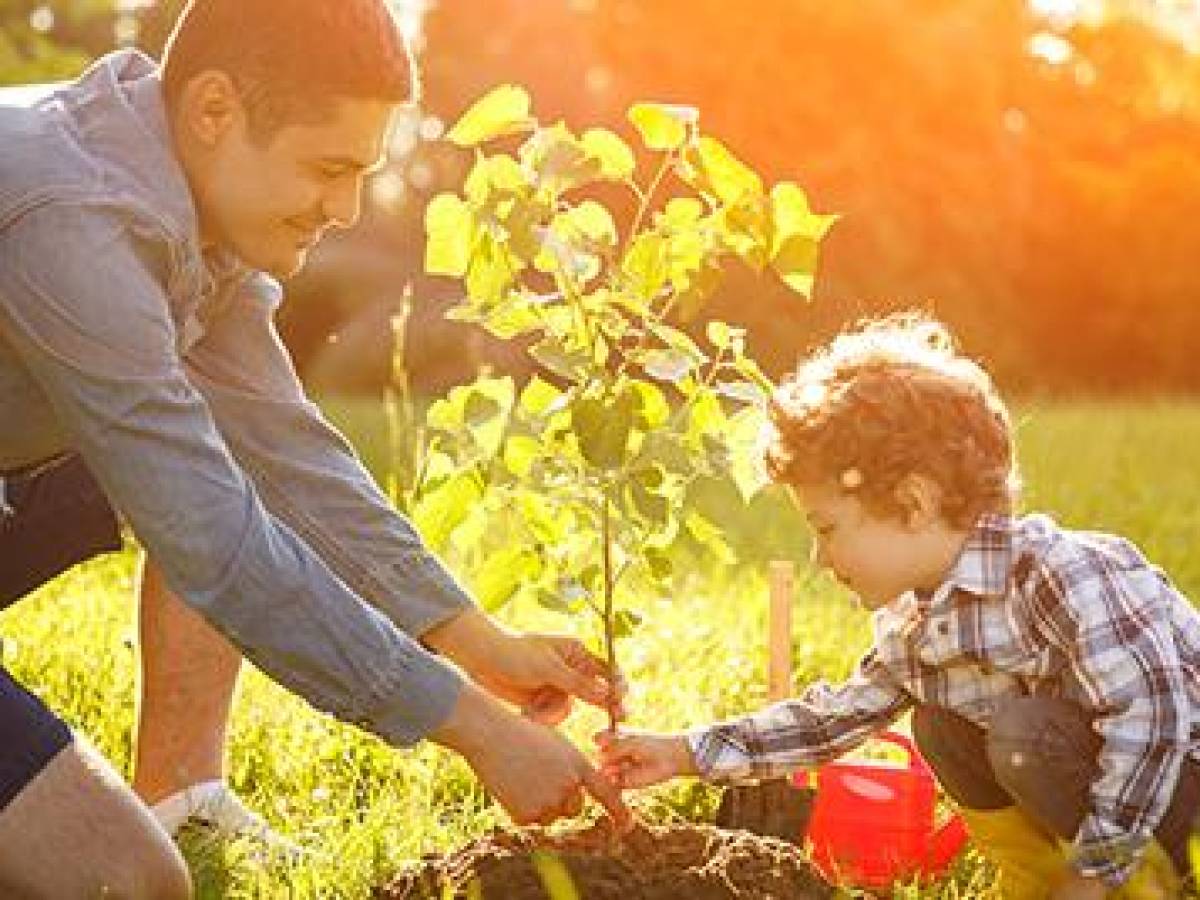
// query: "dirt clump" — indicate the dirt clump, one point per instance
point(653, 862)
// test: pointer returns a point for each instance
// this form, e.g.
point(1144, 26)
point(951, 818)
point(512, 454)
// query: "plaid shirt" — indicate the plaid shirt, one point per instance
point(1027, 609)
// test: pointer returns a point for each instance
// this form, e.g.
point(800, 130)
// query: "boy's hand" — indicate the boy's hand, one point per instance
point(640, 759)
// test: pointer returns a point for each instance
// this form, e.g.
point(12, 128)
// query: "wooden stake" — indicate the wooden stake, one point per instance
point(779, 630)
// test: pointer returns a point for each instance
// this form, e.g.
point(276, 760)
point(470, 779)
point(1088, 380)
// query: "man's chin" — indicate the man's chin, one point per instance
point(283, 266)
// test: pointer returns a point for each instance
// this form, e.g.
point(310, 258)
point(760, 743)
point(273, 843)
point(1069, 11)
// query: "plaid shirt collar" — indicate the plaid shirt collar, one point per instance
point(983, 568)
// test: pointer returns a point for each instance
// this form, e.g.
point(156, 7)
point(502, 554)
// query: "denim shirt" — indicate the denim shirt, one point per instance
point(120, 340)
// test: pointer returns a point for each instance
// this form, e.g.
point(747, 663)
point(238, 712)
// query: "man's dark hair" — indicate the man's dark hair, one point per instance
point(290, 59)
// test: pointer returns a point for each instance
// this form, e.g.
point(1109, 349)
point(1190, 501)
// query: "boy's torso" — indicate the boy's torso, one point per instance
point(984, 637)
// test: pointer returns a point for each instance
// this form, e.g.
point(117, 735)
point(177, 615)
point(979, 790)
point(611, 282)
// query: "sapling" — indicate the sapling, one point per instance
point(571, 489)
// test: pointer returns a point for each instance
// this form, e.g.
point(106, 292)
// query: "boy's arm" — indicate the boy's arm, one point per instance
point(822, 724)
point(81, 303)
point(1113, 623)
point(307, 473)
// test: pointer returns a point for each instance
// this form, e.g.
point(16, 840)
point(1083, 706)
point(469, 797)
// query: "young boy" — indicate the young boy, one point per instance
point(1053, 676)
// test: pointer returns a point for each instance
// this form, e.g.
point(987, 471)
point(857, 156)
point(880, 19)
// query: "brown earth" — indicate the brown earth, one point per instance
point(654, 862)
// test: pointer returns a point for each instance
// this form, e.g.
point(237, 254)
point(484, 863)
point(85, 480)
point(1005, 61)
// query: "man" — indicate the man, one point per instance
point(143, 213)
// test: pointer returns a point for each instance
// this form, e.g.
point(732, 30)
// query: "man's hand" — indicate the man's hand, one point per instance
point(1079, 887)
point(536, 672)
point(536, 775)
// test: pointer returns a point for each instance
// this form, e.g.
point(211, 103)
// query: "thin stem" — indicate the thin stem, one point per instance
point(610, 638)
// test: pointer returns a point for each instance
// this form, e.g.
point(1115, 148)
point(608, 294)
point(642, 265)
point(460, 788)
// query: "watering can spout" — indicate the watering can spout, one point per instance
point(947, 842)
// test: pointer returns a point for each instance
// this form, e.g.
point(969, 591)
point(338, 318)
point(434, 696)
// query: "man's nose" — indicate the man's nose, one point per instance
point(343, 204)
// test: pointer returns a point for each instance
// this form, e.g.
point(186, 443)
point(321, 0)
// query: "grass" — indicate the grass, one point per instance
point(363, 809)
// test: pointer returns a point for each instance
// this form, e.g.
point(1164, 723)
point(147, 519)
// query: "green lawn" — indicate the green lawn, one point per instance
point(363, 809)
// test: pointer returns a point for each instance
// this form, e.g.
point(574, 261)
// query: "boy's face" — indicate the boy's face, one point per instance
point(271, 202)
point(878, 557)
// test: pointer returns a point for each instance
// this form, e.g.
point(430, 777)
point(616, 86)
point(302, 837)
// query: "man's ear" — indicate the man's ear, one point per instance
point(209, 106)
point(920, 500)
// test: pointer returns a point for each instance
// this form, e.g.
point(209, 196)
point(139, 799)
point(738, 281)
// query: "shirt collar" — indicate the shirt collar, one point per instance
point(984, 565)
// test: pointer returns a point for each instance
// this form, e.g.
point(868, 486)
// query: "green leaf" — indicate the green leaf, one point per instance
point(551, 353)
point(594, 223)
point(625, 622)
point(722, 336)
point(663, 126)
point(602, 427)
point(489, 403)
point(744, 442)
point(559, 162)
point(659, 563)
point(520, 453)
point(503, 110)
point(666, 364)
point(797, 236)
point(503, 573)
point(679, 340)
point(540, 397)
point(796, 264)
point(645, 265)
point(745, 392)
point(652, 409)
point(450, 234)
point(790, 212)
point(441, 509)
point(682, 212)
point(615, 158)
point(721, 174)
point(494, 177)
point(710, 537)
point(491, 271)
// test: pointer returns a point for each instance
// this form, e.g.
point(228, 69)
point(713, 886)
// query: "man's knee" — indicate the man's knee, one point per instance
point(77, 830)
point(164, 876)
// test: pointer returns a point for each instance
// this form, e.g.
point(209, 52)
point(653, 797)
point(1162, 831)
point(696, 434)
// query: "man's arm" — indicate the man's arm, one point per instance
point(306, 472)
point(310, 478)
point(81, 303)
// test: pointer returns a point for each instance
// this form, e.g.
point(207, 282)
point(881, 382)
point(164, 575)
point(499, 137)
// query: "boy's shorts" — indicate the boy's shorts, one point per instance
point(50, 519)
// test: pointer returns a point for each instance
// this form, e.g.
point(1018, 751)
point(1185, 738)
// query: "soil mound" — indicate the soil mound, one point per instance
point(668, 862)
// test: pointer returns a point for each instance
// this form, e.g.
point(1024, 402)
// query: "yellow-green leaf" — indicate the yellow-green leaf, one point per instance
point(615, 158)
point(792, 216)
point(450, 234)
point(593, 222)
point(727, 176)
point(503, 110)
point(663, 126)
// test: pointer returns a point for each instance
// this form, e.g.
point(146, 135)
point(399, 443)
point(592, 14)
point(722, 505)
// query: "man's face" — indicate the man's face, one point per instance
point(269, 203)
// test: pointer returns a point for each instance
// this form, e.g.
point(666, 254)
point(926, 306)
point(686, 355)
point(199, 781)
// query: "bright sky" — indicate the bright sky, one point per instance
point(1180, 18)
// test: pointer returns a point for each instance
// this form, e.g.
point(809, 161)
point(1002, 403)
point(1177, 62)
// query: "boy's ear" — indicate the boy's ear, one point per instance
point(920, 500)
point(209, 105)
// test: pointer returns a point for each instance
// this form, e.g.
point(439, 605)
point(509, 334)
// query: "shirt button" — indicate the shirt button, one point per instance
point(943, 628)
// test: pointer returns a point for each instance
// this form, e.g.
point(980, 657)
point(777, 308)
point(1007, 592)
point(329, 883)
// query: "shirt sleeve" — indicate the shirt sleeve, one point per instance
point(1112, 622)
point(81, 302)
point(822, 724)
point(306, 472)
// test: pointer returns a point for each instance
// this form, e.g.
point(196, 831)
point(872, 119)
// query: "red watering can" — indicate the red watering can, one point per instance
point(873, 822)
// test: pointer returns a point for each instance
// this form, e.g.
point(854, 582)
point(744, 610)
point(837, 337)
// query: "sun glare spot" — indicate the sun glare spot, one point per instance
point(1051, 48)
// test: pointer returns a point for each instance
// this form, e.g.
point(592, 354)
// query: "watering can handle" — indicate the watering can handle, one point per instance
point(916, 762)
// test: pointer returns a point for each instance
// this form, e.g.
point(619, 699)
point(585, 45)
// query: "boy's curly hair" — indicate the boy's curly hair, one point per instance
point(888, 399)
